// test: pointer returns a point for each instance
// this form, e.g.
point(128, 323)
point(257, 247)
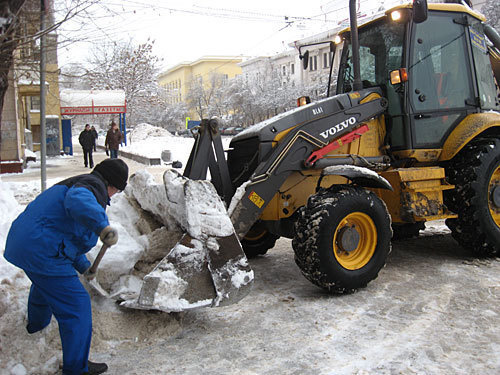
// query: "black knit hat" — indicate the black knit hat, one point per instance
point(115, 171)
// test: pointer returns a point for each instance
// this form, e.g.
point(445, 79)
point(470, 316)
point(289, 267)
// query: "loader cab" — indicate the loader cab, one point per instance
point(445, 66)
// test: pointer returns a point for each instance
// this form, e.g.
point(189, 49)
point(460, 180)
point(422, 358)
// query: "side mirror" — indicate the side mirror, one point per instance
point(419, 11)
point(305, 59)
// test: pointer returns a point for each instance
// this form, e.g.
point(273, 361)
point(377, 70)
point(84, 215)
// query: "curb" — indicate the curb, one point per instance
point(138, 158)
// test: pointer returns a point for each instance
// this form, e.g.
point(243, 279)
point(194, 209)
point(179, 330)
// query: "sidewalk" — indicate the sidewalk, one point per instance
point(61, 167)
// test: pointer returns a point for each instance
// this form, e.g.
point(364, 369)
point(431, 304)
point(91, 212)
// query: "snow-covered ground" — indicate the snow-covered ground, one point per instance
point(432, 310)
point(150, 141)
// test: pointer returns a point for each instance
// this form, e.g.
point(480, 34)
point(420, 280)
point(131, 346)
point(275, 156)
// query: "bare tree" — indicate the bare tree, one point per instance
point(20, 29)
point(241, 102)
point(206, 95)
point(174, 116)
point(491, 11)
point(129, 67)
point(9, 25)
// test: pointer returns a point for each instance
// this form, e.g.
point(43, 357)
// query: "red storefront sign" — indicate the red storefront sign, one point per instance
point(93, 110)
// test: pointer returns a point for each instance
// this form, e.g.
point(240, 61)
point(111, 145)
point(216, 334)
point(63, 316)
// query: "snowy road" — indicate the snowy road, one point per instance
point(432, 310)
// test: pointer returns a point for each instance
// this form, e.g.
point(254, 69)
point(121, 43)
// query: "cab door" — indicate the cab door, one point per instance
point(440, 81)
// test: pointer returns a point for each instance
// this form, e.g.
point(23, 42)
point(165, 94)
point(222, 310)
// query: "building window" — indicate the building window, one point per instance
point(292, 68)
point(325, 60)
point(284, 70)
point(35, 103)
point(313, 63)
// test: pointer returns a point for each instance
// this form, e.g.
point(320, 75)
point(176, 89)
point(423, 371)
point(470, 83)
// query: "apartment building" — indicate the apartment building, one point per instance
point(20, 128)
point(178, 79)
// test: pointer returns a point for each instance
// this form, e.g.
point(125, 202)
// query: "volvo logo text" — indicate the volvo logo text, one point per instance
point(336, 128)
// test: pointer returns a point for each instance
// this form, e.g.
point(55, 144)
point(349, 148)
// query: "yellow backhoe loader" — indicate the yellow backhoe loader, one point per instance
point(411, 135)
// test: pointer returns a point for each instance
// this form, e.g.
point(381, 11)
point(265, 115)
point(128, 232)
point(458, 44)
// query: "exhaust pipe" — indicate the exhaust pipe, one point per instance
point(356, 84)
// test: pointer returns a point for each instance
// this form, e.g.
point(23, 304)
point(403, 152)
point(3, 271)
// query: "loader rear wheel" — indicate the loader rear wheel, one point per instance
point(258, 240)
point(475, 172)
point(342, 238)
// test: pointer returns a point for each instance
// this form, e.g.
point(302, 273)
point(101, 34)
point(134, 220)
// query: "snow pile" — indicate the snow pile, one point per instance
point(143, 241)
point(149, 141)
point(9, 208)
point(14, 287)
point(146, 131)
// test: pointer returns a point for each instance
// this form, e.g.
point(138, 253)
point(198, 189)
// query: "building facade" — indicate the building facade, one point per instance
point(20, 128)
point(289, 66)
point(177, 80)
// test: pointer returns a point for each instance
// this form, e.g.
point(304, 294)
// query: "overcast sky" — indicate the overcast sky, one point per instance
point(187, 30)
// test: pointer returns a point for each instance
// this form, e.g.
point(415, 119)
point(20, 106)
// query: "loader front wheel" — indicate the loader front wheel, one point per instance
point(258, 240)
point(475, 172)
point(343, 237)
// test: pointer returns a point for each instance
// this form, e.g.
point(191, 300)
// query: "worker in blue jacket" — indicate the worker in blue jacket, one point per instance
point(49, 241)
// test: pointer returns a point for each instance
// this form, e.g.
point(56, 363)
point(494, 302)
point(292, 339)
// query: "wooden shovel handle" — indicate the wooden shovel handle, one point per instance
point(93, 267)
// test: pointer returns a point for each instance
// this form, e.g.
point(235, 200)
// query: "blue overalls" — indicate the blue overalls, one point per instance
point(48, 241)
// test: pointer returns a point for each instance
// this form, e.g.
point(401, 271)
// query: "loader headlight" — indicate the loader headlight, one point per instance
point(396, 15)
point(399, 76)
point(401, 15)
point(337, 39)
point(303, 100)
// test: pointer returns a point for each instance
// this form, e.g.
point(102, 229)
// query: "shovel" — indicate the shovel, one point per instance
point(92, 273)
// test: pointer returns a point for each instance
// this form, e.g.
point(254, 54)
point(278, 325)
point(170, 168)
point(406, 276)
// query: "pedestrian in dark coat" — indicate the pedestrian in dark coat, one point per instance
point(113, 139)
point(49, 241)
point(94, 133)
point(87, 142)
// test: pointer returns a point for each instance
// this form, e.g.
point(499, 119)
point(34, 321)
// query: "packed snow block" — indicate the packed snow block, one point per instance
point(151, 197)
point(160, 242)
point(146, 222)
point(174, 191)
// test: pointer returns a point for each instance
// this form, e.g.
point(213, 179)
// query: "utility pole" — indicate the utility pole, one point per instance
point(43, 137)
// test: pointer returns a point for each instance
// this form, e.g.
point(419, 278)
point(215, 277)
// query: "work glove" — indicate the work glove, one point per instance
point(109, 236)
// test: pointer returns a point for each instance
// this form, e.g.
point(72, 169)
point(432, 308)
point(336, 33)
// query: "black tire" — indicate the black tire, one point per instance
point(475, 172)
point(407, 230)
point(328, 216)
point(258, 241)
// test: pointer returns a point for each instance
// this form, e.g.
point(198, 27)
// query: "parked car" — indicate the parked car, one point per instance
point(229, 131)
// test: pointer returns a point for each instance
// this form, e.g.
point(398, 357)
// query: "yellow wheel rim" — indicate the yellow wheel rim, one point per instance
point(255, 234)
point(493, 187)
point(355, 240)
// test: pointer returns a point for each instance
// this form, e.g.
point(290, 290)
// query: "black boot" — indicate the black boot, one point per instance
point(96, 368)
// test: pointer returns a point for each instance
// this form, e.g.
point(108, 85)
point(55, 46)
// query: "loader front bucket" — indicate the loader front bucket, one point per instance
point(207, 267)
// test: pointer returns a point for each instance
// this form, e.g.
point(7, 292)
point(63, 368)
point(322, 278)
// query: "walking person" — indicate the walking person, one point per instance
point(94, 133)
point(49, 241)
point(87, 142)
point(113, 139)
